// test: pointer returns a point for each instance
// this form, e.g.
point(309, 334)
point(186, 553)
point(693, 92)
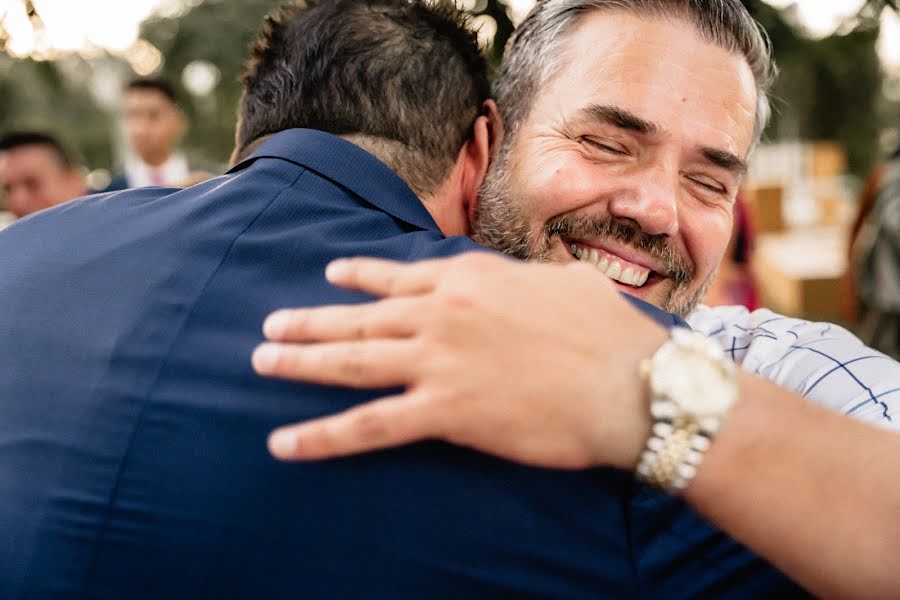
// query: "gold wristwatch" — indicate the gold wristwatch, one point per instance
point(692, 389)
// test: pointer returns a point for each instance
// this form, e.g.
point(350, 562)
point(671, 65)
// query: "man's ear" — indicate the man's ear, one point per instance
point(486, 135)
point(495, 125)
point(477, 160)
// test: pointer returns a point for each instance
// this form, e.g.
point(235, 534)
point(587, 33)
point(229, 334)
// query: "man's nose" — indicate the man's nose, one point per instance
point(651, 200)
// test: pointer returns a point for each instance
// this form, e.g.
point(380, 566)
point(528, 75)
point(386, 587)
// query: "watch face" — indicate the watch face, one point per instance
point(692, 379)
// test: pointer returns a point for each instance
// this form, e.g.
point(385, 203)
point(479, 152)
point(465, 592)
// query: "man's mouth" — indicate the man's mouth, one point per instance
point(614, 267)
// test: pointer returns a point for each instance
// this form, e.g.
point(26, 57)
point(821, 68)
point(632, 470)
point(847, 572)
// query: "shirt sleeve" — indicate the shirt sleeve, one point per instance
point(820, 361)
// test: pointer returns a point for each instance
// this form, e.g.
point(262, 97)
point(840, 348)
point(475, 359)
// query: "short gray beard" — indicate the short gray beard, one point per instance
point(501, 224)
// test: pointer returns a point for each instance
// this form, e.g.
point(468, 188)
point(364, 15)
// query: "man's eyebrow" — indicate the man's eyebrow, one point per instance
point(726, 160)
point(618, 117)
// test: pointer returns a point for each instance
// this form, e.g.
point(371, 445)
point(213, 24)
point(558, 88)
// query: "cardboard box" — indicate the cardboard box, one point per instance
point(800, 273)
point(766, 206)
point(828, 160)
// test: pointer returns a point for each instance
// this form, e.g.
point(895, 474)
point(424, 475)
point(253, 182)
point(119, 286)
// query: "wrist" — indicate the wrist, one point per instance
point(623, 421)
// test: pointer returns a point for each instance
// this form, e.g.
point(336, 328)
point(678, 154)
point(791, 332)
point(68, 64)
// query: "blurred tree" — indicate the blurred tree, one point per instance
point(829, 88)
point(497, 10)
point(49, 96)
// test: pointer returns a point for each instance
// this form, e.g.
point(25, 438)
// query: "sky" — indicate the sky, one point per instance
point(84, 25)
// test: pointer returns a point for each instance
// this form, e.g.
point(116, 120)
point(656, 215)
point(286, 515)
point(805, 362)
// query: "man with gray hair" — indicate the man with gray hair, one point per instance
point(628, 124)
point(685, 226)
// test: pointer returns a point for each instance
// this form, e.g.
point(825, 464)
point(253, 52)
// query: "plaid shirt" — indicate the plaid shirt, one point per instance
point(821, 361)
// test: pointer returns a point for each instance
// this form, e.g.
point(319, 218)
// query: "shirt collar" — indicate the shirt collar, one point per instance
point(174, 172)
point(347, 165)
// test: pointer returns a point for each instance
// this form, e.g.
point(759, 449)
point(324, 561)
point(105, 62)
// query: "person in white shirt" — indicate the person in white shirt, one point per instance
point(154, 123)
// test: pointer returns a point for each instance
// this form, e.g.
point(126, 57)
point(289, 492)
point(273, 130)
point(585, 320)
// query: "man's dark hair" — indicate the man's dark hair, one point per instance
point(22, 139)
point(400, 78)
point(154, 85)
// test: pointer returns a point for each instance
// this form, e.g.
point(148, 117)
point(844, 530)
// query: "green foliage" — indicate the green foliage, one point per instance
point(497, 10)
point(829, 88)
point(38, 96)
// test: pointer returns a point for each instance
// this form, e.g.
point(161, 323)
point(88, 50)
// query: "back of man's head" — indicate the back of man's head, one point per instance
point(400, 78)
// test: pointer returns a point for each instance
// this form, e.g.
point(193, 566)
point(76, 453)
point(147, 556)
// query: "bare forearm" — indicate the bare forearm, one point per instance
point(814, 492)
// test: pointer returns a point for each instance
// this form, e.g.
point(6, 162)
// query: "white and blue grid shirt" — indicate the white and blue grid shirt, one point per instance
point(823, 362)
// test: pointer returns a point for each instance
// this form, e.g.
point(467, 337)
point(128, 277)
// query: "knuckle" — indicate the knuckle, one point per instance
point(359, 328)
point(454, 300)
point(296, 318)
point(368, 426)
point(280, 360)
point(392, 283)
point(353, 364)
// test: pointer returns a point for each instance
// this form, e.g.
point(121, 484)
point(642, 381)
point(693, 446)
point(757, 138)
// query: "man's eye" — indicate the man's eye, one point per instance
point(606, 146)
point(709, 185)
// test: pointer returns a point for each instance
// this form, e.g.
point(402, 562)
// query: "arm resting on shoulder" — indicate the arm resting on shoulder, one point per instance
point(505, 358)
point(814, 492)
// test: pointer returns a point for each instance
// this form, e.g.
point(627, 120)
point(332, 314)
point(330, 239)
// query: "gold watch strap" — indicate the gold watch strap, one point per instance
point(672, 455)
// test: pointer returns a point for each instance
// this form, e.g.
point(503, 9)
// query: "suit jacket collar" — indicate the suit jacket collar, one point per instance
point(347, 165)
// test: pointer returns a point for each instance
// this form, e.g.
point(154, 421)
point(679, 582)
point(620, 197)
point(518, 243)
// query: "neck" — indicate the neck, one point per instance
point(156, 160)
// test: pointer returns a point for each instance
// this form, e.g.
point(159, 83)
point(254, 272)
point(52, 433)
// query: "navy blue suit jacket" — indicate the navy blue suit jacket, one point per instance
point(133, 460)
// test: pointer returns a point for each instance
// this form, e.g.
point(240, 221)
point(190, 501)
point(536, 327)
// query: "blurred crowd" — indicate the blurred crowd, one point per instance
point(38, 172)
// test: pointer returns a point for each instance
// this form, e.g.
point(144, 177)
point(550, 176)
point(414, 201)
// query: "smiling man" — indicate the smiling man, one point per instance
point(627, 129)
point(621, 159)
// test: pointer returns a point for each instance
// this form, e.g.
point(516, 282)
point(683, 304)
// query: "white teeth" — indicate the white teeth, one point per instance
point(614, 270)
point(611, 268)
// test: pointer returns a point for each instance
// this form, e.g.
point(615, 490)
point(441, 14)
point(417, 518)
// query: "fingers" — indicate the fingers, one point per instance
point(384, 423)
point(384, 319)
point(358, 364)
point(385, 277)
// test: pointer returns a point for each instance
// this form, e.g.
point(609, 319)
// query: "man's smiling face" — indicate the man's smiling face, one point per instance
point(630, 158)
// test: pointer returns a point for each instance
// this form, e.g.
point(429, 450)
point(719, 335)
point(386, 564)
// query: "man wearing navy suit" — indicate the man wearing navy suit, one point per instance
point(132, 428)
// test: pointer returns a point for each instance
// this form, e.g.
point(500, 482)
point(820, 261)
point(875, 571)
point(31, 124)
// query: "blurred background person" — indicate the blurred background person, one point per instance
point(875, 258)
point(735, 284)
point(154, 124)
point(36, 173)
